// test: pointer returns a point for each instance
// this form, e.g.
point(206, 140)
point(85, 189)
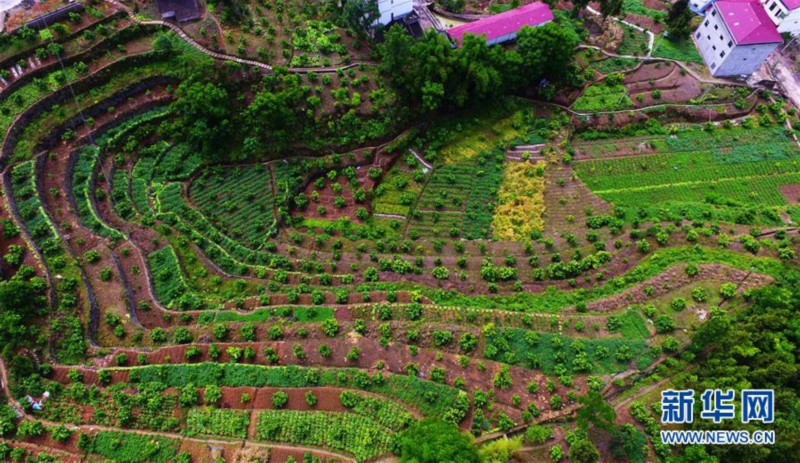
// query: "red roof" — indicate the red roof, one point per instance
point(505, 23)
point(748, 22)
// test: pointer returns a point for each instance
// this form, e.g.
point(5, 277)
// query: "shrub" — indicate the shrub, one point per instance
point(538, 435)
point(727, 290)
point(664, 324)
point(280, 399)
point(502, 380)
point(330, 327)
point(212, 394)
point(678, 304)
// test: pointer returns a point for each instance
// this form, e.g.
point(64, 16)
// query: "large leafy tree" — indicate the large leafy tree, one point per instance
point(679, 20)
point(610, 7)
point(583, 451)
point(545, 51)
point(431, 74)
point(758, 349)
point(432, 441)
point(360, 16)
point(18, 301)
point(205, 121)
point(274, 116)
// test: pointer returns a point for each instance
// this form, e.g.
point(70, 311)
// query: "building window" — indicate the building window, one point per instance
point(706, 23)
point(713, 65)
point(713, 12)
point(714, 47)
point(708, 37)
point(772, 7)
point(720, 38)
point(716, 27)
point(697, 36)
point(730, 43)
point(722, 54)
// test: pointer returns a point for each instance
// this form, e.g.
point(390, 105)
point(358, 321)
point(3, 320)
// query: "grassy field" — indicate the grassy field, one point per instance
point(729, 171)
point(680, 51)
point(602, 97)
point(633, 42)
point(238, 200)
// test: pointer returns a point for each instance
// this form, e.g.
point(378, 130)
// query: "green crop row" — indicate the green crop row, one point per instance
point(167, 275)
point(432, 399)
point(217, 422)
point(346, 432)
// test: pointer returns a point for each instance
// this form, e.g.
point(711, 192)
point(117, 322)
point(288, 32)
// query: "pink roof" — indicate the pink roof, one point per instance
point(791, 4)
point(748, 22)
point(505, 23)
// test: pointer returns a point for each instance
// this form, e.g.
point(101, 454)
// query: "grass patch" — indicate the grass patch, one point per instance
point(602, 97)
point(633, 43)
point(683, 50)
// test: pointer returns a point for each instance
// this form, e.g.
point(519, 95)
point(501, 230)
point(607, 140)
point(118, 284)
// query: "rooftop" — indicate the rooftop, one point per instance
point(791, 4)
point(505, 23)
point(748, 22)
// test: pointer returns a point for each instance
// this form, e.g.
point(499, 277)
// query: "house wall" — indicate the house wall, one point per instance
point(713, 39)
point(722, 55)
point(394, 9)
point(791, 23)
point(744, 59)
point(776, 10)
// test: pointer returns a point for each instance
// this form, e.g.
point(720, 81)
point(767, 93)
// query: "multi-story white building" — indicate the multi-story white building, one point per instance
point(392, 10)
point(785, 14)
point(735, 37)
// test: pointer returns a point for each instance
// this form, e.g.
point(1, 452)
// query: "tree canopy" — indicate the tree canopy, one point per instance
point(432, 441)
point(431, 74)
point(679, 20)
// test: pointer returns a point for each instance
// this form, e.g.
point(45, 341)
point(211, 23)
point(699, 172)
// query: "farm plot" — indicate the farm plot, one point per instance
point(402, 388)
point(120, 193)
point(723, 176)
point(82, 178)
point(228, 253)
point(346, 432)
point(459, 199)
point(633, 43)
point(398, 191)
point(520, 201)
point(168, 280)
point(238, 200)
point(210, 421)
point(133, 448)
point(603, 97)
point(176, 163)
point(683, 50)
point(552, 353)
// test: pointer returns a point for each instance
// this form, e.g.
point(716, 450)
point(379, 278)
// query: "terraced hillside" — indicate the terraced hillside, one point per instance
point(210, 260)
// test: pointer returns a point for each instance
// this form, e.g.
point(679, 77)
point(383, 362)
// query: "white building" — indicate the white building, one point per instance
point(785, 14)
point(392, 10)
point(735, 37)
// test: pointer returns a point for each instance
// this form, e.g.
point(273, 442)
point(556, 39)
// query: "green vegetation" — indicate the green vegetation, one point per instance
point(346, 432)
point(217, 422)
point(168, 279)
point(682, 50)
point(459, 198)
point(133, 448)
point(603, 97)
point(237, 200)
point(438, 398)
point(721, 175)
